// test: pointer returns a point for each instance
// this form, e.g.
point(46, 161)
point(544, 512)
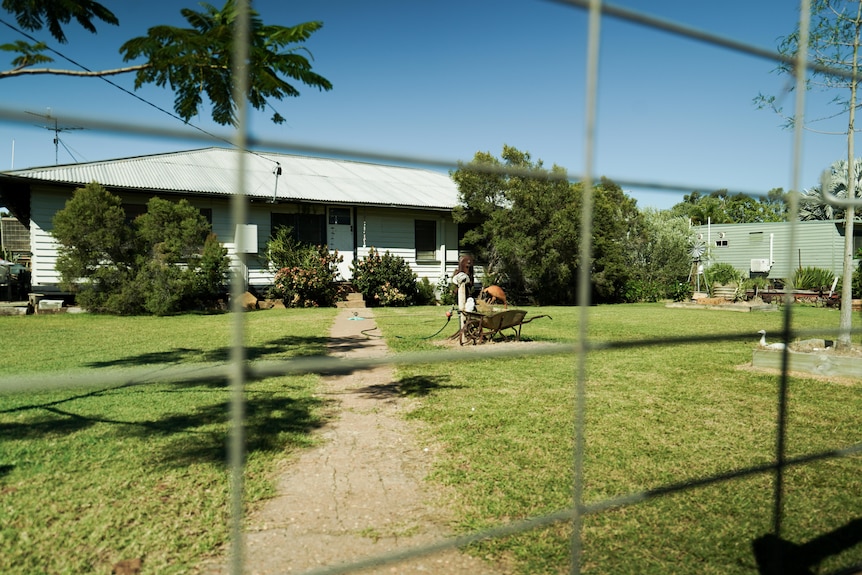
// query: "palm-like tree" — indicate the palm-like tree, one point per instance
point(813, 204)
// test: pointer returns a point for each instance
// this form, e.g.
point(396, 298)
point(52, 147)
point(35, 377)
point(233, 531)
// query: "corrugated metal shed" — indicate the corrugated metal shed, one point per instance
point(212, 171)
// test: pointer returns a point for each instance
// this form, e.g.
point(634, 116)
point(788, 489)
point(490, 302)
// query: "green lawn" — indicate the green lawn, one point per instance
point(655, 415)
point(91, 477)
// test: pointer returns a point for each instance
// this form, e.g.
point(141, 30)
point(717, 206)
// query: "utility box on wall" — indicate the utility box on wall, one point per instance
point(761, 265)
point(245, 239)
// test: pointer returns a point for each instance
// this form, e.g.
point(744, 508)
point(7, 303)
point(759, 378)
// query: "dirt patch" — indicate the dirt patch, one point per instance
point(362, 492)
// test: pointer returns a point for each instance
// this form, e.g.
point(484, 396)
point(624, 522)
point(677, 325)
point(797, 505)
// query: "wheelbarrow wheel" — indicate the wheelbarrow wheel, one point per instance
point(472, 331)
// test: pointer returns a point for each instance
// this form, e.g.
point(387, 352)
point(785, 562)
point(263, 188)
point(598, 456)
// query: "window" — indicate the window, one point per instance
point(307, 228)
point(339, 216)
point(426, 240)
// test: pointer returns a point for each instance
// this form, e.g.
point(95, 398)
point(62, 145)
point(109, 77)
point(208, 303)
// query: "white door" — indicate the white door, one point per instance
point(340, 238)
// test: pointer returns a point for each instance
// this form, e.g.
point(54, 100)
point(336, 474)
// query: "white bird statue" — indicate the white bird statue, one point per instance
point(777, 345)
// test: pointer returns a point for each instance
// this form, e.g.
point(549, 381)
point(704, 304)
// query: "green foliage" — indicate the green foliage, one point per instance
point(305, 275)
point(168, 261)
point(425, 294)
point(385, 280)
point(637, 290)
point(283, 251)
point(196, 60)
point(812, 278)
point(721, 207)
point(34, 15)
point(192, 62)
point(659, 257)
point(681, 291)
point(529, 228)
point(812, 205)
point(447, 291)
point(722, 273)
point(310, 283)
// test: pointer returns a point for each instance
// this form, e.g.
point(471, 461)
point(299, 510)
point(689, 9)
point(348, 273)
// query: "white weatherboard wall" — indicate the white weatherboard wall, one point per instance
point(391, 229)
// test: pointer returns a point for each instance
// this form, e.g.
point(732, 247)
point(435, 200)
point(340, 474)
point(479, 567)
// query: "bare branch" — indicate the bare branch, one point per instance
point(62, 72)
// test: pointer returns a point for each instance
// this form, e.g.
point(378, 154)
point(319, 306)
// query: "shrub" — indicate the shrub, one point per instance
point(166, 262)
point(311, 283)
point(448, 292)
point(637, 290)
point(722, 273)
point(385, 280)
point(681, 291)
point(812, 278)
point(425, 293)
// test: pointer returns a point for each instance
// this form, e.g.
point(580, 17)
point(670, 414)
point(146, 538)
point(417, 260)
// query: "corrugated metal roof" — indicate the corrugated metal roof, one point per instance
point(212, 171)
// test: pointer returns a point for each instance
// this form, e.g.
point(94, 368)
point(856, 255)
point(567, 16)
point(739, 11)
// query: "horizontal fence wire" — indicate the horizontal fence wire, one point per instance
point(239, 370)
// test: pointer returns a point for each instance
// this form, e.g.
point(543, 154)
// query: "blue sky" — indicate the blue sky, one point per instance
point(446, 79)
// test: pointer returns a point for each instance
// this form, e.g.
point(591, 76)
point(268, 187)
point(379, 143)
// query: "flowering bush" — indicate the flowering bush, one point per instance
point(385, 280)
point(311, 284)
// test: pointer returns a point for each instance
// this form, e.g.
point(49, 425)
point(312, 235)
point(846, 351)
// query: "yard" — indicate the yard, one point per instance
point(139, 470)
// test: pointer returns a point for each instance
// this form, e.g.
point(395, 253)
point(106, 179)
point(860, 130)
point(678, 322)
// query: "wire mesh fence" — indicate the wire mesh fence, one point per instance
point(774, 551)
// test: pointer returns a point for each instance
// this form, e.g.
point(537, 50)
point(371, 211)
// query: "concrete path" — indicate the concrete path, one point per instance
point(362, 492)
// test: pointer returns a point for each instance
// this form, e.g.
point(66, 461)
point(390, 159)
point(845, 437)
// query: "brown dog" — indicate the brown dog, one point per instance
point(494, 294)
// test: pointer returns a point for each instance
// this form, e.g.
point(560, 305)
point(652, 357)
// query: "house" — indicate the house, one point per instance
point(348, 205)
point(764, 248)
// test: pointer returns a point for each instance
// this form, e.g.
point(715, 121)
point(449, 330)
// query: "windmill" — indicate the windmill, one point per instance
point(54, 125)
point(696, 250)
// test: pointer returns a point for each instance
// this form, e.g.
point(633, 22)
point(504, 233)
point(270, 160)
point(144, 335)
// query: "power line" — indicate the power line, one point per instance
point(127, 91)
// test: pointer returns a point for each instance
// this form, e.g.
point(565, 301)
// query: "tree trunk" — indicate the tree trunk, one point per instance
point(845, 321)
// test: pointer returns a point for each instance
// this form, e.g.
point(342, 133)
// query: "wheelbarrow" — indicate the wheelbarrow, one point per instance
point(483, 327)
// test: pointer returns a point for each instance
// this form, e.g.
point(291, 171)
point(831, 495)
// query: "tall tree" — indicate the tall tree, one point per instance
point(190, 61)
point(528, 227)
point(722, 207)
point(834, 43)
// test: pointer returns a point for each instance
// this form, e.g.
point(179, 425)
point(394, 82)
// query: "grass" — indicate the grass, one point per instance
point(89, 478)
point(130, 472)
point(655, 416)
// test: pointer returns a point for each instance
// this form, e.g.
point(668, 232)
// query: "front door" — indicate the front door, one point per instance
point(340, 238)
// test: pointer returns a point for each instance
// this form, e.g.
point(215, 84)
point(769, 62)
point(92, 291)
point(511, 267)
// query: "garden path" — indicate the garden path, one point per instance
point(361, 493)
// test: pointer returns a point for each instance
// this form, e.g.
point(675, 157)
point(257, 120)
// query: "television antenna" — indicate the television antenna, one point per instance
point(53, 124)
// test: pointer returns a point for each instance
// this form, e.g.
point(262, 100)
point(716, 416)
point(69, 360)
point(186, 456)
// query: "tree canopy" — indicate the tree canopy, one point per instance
point(165, 261)
point(190, 61)
point(721, 207)
point(525, 223)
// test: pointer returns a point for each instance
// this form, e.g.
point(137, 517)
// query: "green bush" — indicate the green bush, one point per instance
point(166, 261)
point(425, 293)
point(637, 291)
point(448, 292)
point(312, 282)
point(681, 291)
point(385, 280)
point(722, 273)
point(812, 278)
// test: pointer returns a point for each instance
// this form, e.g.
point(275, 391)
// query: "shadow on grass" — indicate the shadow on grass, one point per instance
point(198, 434)
point(777, 556)
point(281, 348)
point(6, 469)
point(416, 386)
